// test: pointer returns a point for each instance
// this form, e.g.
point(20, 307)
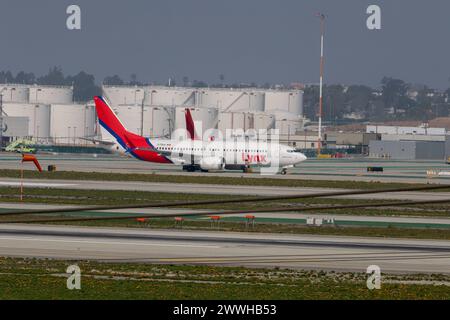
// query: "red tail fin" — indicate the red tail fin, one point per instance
point(190, 127)
point(112, 124)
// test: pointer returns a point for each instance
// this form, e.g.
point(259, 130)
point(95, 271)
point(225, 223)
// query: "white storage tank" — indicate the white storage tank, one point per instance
point(164, 96)
point(130, 116)
point(219, 99)
point(124, 95)
point(264, 121)
point(148, 121)
point(51, 94)
point(251, 101)
point(229, 100)
point(204, 118)
point(287, 123)
point(15, 93)
point(288, 101)
point(70, 122)
point(158, 122)
point(38, 117)
point(235, 120)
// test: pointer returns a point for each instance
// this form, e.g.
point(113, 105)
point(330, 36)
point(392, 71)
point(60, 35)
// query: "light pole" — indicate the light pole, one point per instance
point(322, 31)
point(1, 121)
point(37, 90)
point(289, 133)
point(68, 135)
point(142, 114)
point(305, 139)
point(12, 89)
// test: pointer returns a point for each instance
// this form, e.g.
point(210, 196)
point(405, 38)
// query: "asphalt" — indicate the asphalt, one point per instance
point(353, 169)
point(211, 189)
point(275, 217)
point(237, 249)
point(246, 249)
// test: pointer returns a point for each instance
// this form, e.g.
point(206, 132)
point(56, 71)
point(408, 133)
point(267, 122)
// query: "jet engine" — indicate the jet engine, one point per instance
point(211, 163)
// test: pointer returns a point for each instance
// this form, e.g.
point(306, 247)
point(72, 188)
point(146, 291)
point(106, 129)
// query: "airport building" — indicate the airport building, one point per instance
point(409, 143)
point(358, 142)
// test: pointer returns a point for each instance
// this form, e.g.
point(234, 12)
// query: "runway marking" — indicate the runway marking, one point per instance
point(36, 184)
point(110, 242)
point(232, 260)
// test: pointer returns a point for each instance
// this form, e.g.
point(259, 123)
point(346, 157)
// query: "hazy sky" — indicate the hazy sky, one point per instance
point(259, 41)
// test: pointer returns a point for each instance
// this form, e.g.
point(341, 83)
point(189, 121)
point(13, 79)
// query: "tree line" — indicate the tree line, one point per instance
point(84, 87)
point(393, 100)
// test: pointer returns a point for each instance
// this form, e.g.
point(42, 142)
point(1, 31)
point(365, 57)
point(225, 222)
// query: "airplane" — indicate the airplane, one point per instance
point(194, 153)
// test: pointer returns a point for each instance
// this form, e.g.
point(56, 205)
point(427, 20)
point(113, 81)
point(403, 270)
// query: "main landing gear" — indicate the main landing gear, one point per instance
point(191, 168)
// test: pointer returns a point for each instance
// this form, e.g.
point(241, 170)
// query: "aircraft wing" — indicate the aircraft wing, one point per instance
point(97, 141)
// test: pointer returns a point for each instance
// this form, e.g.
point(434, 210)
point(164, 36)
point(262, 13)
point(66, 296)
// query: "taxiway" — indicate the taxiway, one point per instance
point(243, 249)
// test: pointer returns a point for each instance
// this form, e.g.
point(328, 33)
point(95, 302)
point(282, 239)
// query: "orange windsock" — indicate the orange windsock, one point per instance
point(30, 157)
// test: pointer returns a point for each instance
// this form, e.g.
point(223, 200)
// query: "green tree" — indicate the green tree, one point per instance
point(54, 76)
point(311, 102)
point(359, 98)
point(6, 77)
point(334, 102)
point(114, 80)
point(394, 92)
point(84, 87)
point(25, 78)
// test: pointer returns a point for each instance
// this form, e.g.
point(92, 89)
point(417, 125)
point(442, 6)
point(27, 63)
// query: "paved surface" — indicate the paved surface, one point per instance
point(323, 169)
point(276, 217)
point(247, 249)
point(210, 189)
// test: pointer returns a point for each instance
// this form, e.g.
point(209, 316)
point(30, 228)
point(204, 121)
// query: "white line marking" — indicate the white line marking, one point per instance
point(36, 184)
point(110, 242)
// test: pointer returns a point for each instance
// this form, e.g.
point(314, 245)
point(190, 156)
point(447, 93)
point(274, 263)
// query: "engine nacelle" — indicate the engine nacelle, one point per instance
point(211, 163)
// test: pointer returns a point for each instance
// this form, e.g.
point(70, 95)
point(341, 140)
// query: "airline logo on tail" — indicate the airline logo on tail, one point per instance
point(138, 146)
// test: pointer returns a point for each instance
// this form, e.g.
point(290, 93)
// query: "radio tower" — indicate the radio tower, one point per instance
point(322, 29)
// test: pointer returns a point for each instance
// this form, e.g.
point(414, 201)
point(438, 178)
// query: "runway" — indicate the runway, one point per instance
point(211, 189)
point(354, 169)
point(237, 249)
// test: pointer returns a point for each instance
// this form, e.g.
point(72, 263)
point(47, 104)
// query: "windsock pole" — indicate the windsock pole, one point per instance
point(21, 181)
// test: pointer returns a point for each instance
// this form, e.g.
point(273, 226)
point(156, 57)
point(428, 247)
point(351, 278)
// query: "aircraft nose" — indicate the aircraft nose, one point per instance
point(301, 157)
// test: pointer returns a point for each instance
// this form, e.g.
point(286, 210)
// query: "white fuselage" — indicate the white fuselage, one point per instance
point(216, 154)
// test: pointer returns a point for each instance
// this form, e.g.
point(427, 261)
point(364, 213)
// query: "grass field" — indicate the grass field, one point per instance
point(72, 175)
point(46, 279)
point(232, 226)
point(119, 197)
point(102, 197)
